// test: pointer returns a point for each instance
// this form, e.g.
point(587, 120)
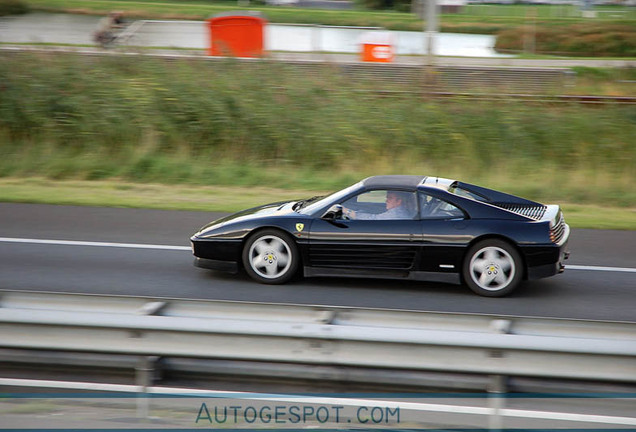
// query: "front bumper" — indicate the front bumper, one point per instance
point(224, 255)
point(210, 264)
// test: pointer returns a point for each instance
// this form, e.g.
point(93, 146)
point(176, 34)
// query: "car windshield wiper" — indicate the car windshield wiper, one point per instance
point(302, 203)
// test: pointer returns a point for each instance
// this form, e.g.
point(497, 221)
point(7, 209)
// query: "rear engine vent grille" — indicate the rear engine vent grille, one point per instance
point(532, 211)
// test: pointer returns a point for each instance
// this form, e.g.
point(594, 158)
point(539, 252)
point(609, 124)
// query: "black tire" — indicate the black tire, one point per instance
point(492, 268)
point(271, 257)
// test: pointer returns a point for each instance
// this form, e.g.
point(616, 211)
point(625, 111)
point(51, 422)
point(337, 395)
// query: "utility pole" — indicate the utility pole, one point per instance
point(430, 34)
point(430, 29)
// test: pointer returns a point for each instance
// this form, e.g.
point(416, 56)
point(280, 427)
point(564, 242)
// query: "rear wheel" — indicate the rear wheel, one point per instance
point(271, 257)
point(493, 268)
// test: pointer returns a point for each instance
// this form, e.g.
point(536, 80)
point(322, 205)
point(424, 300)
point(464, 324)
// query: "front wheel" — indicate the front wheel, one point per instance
point(271, 257)
point(493, 268)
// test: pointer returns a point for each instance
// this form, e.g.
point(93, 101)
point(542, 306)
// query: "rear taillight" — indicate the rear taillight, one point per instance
point(557, 228)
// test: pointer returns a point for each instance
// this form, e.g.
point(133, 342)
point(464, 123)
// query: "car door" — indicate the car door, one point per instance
point(444, 235)
point(367, 245)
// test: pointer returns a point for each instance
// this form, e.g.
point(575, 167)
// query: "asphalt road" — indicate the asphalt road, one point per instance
point(103, 269)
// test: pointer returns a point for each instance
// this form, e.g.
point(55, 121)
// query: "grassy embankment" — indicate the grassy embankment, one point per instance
point(550, 29)
point(102, 129)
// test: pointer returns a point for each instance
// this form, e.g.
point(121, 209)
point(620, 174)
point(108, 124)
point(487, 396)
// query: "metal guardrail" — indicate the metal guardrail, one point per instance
point(320, 335)
point(291, 341)
point(538, 98)
point(447, 78)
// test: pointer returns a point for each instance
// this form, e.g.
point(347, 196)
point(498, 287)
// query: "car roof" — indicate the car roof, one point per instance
point(390, 181)
point(407, 181)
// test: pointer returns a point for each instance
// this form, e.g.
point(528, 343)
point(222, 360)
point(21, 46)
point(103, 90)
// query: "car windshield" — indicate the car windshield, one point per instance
point(334, 198)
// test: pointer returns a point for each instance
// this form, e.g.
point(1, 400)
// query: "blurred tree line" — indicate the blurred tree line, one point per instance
point(397, 5)
point(13, 7)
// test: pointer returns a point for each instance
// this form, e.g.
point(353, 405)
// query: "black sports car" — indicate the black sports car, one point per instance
point(410, 227)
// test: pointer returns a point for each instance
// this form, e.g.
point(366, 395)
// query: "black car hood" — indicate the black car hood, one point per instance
point(273, 209)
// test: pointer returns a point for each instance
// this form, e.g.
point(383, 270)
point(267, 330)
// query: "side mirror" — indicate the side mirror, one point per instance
point(334, 213)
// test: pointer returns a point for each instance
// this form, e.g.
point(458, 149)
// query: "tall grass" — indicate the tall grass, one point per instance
point(198, 122)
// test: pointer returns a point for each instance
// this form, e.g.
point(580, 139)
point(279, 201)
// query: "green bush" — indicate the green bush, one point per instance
point(397, 5)
point(589, 40)
point(13, 7)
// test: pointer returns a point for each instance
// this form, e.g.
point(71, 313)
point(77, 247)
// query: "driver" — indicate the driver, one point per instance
point(396, 208)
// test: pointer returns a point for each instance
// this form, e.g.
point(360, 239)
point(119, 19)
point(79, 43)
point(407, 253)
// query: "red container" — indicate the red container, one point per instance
point(236, 35)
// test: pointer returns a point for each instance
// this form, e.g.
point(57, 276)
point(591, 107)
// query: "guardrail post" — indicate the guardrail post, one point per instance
point(497, 386)
point(497, 401)
point(143, 379)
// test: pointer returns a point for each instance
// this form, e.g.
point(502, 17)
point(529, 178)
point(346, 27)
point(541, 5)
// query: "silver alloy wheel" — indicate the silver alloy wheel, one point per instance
point(270, 257)
point(492, 268)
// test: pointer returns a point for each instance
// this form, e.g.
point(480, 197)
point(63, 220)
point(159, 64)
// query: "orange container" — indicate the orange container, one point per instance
point(377, 53)
point(236, 35)
point(377, 47)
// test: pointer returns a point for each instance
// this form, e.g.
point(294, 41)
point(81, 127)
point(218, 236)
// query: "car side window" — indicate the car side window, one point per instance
point(382, 204)
point(434, 208)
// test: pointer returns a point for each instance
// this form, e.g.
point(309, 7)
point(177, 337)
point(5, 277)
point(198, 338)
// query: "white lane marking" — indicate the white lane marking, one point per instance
point(596, 268)
point(99, 244)
point(187, 248)
point(415, 406)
